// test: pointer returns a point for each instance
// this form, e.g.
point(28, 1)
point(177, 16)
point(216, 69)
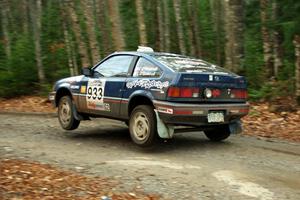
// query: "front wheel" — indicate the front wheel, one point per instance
point(142, 126)
point(65, 114)
point(218, 134)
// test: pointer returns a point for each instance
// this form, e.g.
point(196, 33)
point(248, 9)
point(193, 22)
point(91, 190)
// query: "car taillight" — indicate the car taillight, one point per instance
point(239, 94)
point(184, 92)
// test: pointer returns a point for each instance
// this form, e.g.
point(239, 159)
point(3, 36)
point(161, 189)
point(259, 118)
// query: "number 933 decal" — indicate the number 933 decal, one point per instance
point(95, 94)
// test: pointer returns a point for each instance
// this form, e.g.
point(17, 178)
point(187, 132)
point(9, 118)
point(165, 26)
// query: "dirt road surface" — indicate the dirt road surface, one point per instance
point(187, 167)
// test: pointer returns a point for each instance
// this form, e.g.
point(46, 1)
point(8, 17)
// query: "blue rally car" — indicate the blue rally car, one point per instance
point(155, 94)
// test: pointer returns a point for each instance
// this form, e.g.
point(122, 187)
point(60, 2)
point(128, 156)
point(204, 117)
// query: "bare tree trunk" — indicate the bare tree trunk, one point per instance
point(68, 48)
point(117, 33)
point(101, 8)
point(83, 51)
point(91, 25)
point(266, 37)
point(36, 14)
point(297, 67)
point(141, 22)
point(234, 34)
point(166, 26)
point(277, 40)
point(160, 31)
point(4, 23)
point(25, 11)
point(194, 28)
point(67, 40)
point(182, 47)
point(217, 8)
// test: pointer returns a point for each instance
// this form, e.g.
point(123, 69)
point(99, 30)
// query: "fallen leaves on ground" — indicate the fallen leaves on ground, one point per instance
point(283, 124)
point(25, 180)
point(26, 104)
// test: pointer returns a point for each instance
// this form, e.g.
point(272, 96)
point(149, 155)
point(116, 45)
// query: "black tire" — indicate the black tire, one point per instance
point(142, 126)
point(65, 114)
point(218, 134)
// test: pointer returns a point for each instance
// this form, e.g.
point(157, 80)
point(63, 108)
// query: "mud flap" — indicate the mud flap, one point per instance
point(236, 127)
point(75, 113)
point(164, 131)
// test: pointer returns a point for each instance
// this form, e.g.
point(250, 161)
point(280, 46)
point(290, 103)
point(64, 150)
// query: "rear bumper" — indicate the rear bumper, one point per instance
point(196, 114)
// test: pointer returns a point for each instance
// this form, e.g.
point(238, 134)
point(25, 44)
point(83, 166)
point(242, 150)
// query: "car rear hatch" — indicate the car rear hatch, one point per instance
point(200, 81)
point(208, 87)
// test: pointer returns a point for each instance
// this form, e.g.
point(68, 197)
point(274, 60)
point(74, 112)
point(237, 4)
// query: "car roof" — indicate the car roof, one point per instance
point(136, 53)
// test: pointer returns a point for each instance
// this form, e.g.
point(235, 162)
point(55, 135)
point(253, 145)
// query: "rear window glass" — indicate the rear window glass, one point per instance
point(187, 64)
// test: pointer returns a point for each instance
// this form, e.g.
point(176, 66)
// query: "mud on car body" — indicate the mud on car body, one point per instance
point(154, 93)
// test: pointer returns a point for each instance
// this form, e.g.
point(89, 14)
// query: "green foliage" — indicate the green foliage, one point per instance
point(207, 34)
point(18, 73)
point(272, 90)
point(129, 17)
point(53, 47)
point(20, 76)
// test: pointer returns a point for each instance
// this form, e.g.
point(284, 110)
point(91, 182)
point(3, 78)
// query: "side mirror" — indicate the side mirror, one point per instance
point(87, 71)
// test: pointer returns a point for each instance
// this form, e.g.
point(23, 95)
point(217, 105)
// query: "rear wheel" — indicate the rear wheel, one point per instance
point(65, 114)
point(218, 134)
point(142, 126)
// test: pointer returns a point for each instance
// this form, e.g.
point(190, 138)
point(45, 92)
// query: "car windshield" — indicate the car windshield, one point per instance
point(187, 64)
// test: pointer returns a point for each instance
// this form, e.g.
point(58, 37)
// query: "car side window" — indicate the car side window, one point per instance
point(116, 66)
point(145, 68)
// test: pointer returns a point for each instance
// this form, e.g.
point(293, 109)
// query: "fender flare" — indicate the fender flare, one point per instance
point(139, 93)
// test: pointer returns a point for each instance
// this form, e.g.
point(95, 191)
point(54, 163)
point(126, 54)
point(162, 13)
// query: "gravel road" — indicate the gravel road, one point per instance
point(187, 167)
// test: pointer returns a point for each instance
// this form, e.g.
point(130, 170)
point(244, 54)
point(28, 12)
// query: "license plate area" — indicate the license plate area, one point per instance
point(215, 117)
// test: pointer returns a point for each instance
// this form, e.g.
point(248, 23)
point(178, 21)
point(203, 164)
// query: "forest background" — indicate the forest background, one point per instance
point(42, 41)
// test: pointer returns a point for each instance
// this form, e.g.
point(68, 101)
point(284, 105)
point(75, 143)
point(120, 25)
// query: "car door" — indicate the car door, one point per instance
point(104, 89)
point(146, 77)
